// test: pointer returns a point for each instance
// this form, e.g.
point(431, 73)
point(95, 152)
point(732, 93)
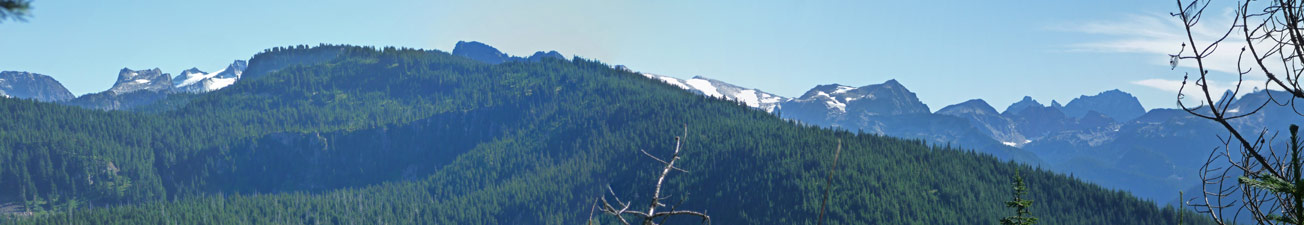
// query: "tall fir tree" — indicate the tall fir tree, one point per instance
point(1019, 204)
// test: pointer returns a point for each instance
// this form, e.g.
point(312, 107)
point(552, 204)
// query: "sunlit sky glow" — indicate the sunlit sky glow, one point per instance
point(947, 52)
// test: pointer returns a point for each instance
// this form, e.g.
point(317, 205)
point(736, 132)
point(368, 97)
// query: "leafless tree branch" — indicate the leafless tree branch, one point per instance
point(1246, 159)
point(649, 216)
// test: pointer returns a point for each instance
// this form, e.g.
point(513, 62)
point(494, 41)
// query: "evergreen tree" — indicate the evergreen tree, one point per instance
point(1020, 205)
point(14, 9)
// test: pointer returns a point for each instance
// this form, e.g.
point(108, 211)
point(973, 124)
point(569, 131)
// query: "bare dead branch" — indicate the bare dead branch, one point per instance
point(649, 216)
point(1272, 34)
point(828, 185)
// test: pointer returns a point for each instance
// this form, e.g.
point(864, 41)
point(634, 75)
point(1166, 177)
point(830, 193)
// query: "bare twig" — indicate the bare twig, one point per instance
point(648, 217)
point(1247, 162)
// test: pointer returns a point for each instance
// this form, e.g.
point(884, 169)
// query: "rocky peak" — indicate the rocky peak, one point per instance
point(479, 52)
point(888, 98)
point(1115, 104)
point(1022, 104)
point(141, 80)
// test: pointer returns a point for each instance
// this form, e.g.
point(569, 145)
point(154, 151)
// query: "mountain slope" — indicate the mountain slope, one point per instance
point(985, 118)
point(16, 84)
point(518, 143)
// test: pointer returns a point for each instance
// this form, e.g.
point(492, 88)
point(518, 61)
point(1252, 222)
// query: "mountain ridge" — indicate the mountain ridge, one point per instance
point(1025, 131)
point(522, 140)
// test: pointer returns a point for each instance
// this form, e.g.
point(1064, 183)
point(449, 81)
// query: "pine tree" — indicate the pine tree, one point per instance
point(1019, 204)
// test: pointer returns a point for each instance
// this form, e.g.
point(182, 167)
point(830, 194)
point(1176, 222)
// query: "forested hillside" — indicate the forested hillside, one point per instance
point(341, 134)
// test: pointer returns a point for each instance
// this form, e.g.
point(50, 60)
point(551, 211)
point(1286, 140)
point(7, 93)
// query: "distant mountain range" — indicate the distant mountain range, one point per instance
point(362, 135)
point(1107, 138)
point(131, 89)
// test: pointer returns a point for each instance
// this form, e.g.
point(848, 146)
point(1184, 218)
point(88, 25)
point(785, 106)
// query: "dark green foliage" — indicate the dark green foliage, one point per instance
point(14, 9)
point(108, 100)
point(1020, 205)
point(400, 136)
point(1292, 190)
point(281, 57)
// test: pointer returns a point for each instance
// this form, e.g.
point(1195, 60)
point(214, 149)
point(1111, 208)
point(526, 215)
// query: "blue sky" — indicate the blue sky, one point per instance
point(947, 52)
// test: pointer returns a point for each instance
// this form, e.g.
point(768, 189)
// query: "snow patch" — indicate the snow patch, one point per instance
point(770, 99)
point(749, 97)
point(141, 81)
point(219, 83)
point(704, 86)
point(836, 105)
point(843, 89)
point(197, 77)
point(1010, 143)
point(673, 81)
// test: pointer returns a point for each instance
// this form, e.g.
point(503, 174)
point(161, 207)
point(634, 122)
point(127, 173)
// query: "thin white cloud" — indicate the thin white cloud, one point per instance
point(1161, 84)
point(1160, 35)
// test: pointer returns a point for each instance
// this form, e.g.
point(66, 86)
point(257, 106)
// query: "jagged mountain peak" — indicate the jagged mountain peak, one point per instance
point(1026, 102)
point(141, 80)
point(1115, 104)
